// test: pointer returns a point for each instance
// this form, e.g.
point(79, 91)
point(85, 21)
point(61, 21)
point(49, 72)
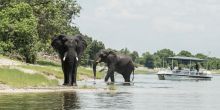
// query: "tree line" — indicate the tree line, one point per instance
point(27, 27)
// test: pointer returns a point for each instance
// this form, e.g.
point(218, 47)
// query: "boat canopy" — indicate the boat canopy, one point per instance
point(186, 58)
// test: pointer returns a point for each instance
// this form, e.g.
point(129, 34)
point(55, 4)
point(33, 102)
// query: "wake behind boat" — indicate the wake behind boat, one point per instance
point(180, 73)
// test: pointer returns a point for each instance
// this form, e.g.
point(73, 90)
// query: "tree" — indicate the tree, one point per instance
point(19, 27)
point(161, 56)
point(164, 53)
point(158, 62)
point(185, 53)
point(134, 55)
point(124, 51)
point(148, 60)
point(93, 47)
point(201, 56)
point(53, 17)
point(24, 22)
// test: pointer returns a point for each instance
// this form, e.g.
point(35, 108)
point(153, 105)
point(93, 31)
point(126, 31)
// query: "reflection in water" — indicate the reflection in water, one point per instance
point(40, 101)
point(70, 101)
point(147, 93)
point(119, 100)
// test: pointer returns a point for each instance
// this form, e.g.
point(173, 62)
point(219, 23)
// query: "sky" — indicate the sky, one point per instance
point(152, 25)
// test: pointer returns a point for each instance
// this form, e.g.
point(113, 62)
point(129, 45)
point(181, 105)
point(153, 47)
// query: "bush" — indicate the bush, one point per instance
point(5, 47)
point(18, 31)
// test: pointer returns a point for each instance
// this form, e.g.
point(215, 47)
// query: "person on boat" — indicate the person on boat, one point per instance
point(197, 67)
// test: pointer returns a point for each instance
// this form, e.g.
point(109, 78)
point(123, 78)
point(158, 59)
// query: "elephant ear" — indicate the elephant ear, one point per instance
point(58, 42)
point(81, 44)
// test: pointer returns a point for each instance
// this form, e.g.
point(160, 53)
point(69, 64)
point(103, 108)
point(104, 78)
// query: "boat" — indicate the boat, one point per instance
point(178, 73)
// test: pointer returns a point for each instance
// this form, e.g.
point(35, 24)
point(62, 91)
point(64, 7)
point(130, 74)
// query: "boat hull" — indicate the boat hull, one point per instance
point(183, 77)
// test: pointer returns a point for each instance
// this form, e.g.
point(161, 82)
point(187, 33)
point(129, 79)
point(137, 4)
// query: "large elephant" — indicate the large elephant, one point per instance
point(70, 50)
point(115, 63)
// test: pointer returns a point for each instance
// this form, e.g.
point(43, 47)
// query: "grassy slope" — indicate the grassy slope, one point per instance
point(16, 78)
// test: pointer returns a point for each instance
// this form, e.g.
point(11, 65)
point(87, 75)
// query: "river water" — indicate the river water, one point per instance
point(147, 93)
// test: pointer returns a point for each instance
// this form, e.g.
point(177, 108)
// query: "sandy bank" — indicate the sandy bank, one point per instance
point(51, 89)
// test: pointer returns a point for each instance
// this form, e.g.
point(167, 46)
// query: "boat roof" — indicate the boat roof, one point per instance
point(186, 58)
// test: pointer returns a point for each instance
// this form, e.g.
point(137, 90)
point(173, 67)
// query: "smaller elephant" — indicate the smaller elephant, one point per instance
point(116, 63)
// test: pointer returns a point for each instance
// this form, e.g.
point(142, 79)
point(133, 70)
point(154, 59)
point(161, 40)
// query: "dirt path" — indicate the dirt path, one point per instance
point(8, 62)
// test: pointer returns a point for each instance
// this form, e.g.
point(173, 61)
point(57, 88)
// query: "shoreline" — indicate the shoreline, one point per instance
point(50, 90)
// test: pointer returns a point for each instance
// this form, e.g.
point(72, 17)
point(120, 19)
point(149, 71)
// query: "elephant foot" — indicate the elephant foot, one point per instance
point(127, 83)
point(64, 84)
point(109, 83)
point(74, 84)
point(69, 85)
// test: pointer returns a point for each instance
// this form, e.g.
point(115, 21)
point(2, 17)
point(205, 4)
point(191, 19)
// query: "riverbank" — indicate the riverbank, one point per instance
point(215, 71)
point(56, 89)
point(17, 74)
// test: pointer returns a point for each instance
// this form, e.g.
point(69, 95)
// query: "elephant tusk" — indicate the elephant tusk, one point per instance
point(99, 59)
point(65, 54)
point(77, 57)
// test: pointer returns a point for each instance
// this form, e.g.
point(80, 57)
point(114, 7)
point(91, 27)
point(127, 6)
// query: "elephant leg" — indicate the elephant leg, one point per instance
point(110, 72)
point(107, 77)
point(70, 74)
point(65, 72)
point(112, 78)
point(74, 76)
point(126, 77)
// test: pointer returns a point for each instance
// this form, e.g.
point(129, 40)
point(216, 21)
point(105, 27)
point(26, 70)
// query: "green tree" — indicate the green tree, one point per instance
point(53, 17)
point(158, 62)
point(148, 60)
point(93, 47)
point(134, 55)
point(185, 53)
point(125, 51)
point(201, 56)
point(19, 27)
point(161, 56)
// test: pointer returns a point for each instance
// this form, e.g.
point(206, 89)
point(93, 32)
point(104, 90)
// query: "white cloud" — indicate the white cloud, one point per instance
point(119, 9)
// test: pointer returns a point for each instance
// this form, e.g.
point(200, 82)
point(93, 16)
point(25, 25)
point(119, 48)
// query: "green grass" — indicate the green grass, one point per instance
point(48, 70)
point(48, 63)
point(58, 73)
point(1, 56)
point(144, 71)
point(89, 73)
point(18, 79)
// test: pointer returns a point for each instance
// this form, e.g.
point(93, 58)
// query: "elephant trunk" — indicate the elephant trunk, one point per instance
point(95, 63)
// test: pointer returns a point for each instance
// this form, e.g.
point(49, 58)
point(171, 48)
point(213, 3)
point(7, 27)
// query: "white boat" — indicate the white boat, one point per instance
point(185, 73)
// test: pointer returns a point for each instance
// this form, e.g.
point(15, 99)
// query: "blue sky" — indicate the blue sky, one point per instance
point(151, 25)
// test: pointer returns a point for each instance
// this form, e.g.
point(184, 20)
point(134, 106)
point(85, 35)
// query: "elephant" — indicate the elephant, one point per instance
point(70, 50)
point(116, 63)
